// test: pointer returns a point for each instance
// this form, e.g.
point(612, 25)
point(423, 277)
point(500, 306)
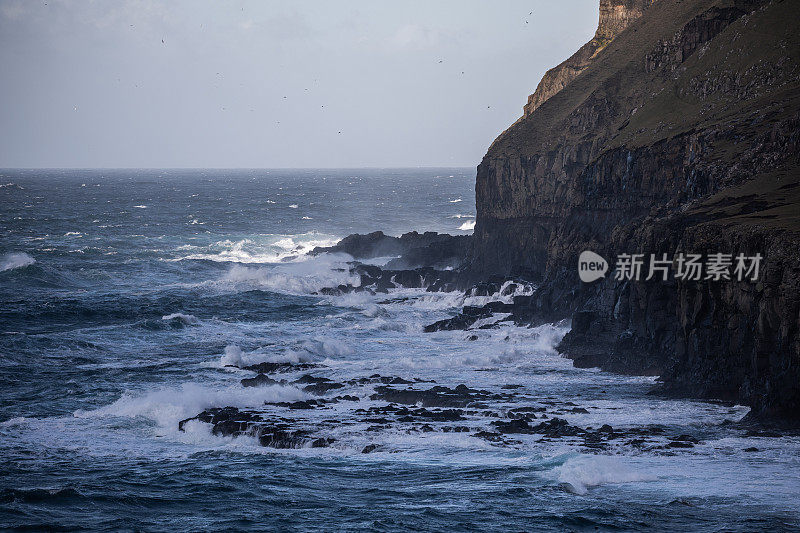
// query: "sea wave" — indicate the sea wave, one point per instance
point(578, 474)
point(169, 405)
point(260, 249)
point(305, 351)
point(306, 277)
point(15, 260)
point(469, 225)
point(187, 320)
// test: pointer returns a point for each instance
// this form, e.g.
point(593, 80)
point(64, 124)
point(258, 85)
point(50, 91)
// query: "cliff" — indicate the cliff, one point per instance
point(615, 16)
point(680, 134)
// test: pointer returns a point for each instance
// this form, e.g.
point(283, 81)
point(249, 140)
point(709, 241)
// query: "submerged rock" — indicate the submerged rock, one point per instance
point(438, 396)
point(231, 422)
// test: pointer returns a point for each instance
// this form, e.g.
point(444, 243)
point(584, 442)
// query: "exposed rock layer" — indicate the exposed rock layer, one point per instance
point(615, 16)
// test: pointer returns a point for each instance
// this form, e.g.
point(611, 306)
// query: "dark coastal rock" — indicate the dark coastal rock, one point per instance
point(318, 385)
point(380, 280)
point(678, 137)
point(414, 249)
point(231, 422)
point(260, 380)
point(459, 322)
point(469, 315)
point(438, 396)
point(272, 368)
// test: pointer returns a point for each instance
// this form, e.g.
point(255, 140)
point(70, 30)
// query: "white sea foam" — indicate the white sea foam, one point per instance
point(505, 294)
point(234, 356)
point(579, 474)
point(321, 347)
point(305, 277)
point(258, 249)
point(456, 201)
point(167, 406)
point(469, 225)
point(182, 318)
point(305, 351)
point(15, 260)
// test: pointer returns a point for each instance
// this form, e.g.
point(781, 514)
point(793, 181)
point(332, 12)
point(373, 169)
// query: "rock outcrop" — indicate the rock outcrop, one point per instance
point(615, 16)
point(410, 250)
point(679, 134)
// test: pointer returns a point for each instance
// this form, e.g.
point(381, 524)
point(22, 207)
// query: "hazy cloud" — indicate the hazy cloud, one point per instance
point(271, 83)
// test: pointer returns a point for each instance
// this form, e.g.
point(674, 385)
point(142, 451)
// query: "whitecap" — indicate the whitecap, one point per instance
point(578, 474)
point(307, 277)
point(182, 318)
point(469, 225)
point(169, 405)
point(261, 249)
point(15, 260)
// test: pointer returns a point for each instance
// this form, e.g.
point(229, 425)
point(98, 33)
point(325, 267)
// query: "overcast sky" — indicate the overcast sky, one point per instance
point(140, 83)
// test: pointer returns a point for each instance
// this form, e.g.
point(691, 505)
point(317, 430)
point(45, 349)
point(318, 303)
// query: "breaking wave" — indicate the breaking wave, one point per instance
point(578, 474)
point(261, 249)
point(15, 260)
point(469, 225)
point(306, 277)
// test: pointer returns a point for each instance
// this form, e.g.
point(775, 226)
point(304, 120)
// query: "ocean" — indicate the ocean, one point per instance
point(131, 300)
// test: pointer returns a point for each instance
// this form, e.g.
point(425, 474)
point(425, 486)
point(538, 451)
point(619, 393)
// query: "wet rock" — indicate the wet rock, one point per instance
point(763, 433)
point(300, 404)
point(261, 380)
point(427, 249)
point(348, 398)
point(516, 425)
point(456, 429)
point(437, 396)
point(231, 422)
point(322, 387)
point(369, 448)
point(459, 322)
point(272, 368)
point(557, 427)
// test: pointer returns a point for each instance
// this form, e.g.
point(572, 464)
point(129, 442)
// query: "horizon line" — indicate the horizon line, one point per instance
point(421, 167)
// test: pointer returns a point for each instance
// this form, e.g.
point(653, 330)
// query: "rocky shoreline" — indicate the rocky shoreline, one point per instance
point(679, 133)
point(676, 129)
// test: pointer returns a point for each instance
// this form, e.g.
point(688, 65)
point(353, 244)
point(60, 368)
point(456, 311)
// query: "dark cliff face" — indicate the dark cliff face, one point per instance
point(681, 134)
point(615, 16)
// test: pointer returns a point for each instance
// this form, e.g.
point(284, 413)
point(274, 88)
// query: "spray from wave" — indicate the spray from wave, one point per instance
point(469, 225)
point(305, 277)
point(259, 249)
point(15, 260)
point(578, 474)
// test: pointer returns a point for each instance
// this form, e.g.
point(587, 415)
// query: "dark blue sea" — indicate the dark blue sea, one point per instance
point(132, 299)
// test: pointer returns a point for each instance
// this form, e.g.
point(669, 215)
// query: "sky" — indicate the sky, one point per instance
point(272, 84)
